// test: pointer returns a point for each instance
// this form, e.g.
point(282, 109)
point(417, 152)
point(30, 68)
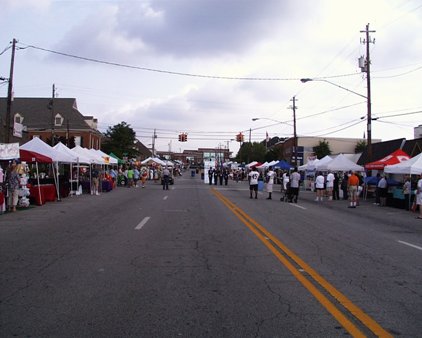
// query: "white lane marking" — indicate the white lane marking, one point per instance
point(298, 206)
point(165, 197)
point(412, 245)
point(144, 221)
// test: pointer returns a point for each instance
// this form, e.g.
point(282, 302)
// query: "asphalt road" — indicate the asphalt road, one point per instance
point(207, 261)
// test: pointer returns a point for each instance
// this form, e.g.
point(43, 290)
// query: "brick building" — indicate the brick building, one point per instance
point(52, 120)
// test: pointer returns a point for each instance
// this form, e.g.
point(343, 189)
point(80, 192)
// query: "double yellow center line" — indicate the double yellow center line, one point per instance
point(288, 258)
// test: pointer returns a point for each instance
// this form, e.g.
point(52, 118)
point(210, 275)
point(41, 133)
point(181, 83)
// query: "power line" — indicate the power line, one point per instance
point(335, 131)
point(116, 64)
point(403, 114)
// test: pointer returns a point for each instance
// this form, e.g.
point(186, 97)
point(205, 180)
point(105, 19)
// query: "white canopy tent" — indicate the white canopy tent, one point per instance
point(151, 160)
point(340, 163)
point(93, 158)
point(40, 147)
point(99, 159)
point(76, 158)
point(311, 165)
point(107, 158)
point(409, 167)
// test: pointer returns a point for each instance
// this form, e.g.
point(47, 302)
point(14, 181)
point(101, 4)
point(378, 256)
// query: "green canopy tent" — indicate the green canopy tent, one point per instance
point(119, 160)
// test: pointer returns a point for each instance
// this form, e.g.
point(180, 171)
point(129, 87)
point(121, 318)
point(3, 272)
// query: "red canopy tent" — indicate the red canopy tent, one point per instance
point(396, 157)
point(31, 156)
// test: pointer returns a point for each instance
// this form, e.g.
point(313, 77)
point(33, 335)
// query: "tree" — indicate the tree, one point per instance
point(243, 155)
point(360, 147)
point(120, 139)
point(249, 152)
point(272, 155)
point(322, 149)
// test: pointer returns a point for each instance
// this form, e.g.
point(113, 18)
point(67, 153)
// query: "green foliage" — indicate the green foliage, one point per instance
point(272, 155)
point(322, 149)
point(120, 139)
point(360, 147)
point(251, 152)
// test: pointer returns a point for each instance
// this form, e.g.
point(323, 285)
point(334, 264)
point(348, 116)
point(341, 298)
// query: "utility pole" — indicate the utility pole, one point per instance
point(10, 94)
point(294, 129)
point(367, 66)
point(51, 107)
point(153, 143)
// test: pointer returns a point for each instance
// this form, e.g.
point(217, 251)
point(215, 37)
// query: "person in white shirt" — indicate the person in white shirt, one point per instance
point(330, 185)
point(253, 182)
point(270, 182)
point(286, 180)
point(419, 196)
point(319, 186)
point(294, 185)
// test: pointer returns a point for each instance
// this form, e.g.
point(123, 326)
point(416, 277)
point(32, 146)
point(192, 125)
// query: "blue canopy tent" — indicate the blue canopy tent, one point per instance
point(373, 180)
point(283, 165)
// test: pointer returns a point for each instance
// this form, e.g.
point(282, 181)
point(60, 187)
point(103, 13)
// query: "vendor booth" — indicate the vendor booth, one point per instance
point(397, 156)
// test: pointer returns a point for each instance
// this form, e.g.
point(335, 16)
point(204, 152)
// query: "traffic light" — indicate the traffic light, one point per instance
point(183, 137)
point(239, 137)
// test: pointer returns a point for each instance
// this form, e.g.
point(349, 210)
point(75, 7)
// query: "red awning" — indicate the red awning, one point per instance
point(396, 157)
point(31, 156)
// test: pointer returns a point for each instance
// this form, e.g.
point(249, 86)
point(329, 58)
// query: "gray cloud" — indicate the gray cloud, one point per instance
point(201, 28)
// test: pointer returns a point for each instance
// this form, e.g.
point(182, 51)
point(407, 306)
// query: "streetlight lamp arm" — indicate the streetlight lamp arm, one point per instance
point(304, 80)
point(276, 121)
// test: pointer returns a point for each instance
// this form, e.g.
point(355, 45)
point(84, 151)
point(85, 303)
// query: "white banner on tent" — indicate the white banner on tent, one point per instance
point(9, 151)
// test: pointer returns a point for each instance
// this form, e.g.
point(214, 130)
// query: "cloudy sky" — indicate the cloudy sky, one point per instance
point(207, 67)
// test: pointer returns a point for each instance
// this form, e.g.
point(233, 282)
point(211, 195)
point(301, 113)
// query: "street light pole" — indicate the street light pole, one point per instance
point(368, 100)
point(294, 128)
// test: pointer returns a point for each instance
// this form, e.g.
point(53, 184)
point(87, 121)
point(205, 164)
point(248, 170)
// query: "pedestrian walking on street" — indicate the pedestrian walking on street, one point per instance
point(344, 186)
point(319, 186)
point(253, 182)
point(12, 181)
point(216, 174)
point(383, 190)
point(226, 177)
point(353, 183)
point(294, 185)
point(95, 174)
point(419, 196)
point(330, 185)
point(210, 174)
point(166, 177)
point(407, 188)
point(270, 182)
point(336, 190)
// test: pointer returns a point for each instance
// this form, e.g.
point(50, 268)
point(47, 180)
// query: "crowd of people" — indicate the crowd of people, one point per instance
point(76, 180)
point(333, 186)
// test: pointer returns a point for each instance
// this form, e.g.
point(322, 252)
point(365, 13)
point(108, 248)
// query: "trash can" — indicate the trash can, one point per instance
point(192, 173)
point(260, 185)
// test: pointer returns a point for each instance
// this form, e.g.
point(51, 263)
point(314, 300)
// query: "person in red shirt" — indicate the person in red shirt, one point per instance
point(353, 183)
